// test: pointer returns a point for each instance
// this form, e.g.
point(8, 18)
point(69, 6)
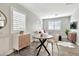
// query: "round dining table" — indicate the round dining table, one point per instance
point(42, 39)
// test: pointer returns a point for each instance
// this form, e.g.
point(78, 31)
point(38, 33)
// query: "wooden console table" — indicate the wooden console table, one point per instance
point(21, 41)
point(72, 37)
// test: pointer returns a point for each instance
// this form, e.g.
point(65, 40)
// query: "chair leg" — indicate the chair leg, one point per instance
point(47, 44)
point(57, 48)
point(52, 49)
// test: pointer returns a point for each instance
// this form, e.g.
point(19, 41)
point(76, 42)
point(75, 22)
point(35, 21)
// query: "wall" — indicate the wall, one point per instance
point(6, 37)
point(33, 23)
point(5, 32)
point(65, 24)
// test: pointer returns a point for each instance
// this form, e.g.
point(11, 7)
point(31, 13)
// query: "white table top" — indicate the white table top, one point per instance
point(44, 37)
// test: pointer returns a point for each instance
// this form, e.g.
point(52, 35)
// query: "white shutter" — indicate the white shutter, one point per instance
point(18, 21)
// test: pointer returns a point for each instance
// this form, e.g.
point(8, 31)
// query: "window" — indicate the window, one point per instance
point(50, 25)
point(57, 25)
point(54, 25)
point(18, 21)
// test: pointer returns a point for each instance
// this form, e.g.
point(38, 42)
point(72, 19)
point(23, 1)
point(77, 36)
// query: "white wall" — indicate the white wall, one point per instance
point(34, 23)
point(5, 32)
point(6, 37)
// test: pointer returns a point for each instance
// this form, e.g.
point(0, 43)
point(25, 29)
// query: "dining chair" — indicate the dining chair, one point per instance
point(54, 40)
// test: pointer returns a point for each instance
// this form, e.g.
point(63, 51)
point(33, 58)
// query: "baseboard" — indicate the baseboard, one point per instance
point(7, 53)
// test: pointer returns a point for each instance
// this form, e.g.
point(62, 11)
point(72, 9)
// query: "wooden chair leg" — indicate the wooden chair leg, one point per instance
point(47, 44)
point(57, 48)
point(52, 49)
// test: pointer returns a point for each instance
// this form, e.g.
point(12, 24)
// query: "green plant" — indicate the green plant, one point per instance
point(66, 31)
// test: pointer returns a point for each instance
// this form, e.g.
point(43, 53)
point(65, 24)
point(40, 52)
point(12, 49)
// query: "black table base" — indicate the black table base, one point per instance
point(40, 46)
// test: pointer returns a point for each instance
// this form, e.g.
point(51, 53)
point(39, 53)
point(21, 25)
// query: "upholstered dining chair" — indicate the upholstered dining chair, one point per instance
point(54, 40)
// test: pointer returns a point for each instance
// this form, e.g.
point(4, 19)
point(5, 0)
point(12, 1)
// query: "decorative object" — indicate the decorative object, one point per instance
point(3, 20)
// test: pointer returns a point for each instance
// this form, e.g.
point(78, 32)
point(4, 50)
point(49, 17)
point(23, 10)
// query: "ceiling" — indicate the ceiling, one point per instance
point(47, 10)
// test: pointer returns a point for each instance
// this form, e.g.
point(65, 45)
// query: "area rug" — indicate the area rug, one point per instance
point(66, 44)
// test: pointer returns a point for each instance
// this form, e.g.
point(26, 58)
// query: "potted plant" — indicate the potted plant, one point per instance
point(66, 31)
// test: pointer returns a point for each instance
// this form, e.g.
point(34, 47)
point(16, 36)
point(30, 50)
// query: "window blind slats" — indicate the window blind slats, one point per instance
point(18, 21)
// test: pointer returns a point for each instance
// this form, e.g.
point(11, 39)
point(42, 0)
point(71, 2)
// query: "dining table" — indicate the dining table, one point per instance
point(42, 39)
